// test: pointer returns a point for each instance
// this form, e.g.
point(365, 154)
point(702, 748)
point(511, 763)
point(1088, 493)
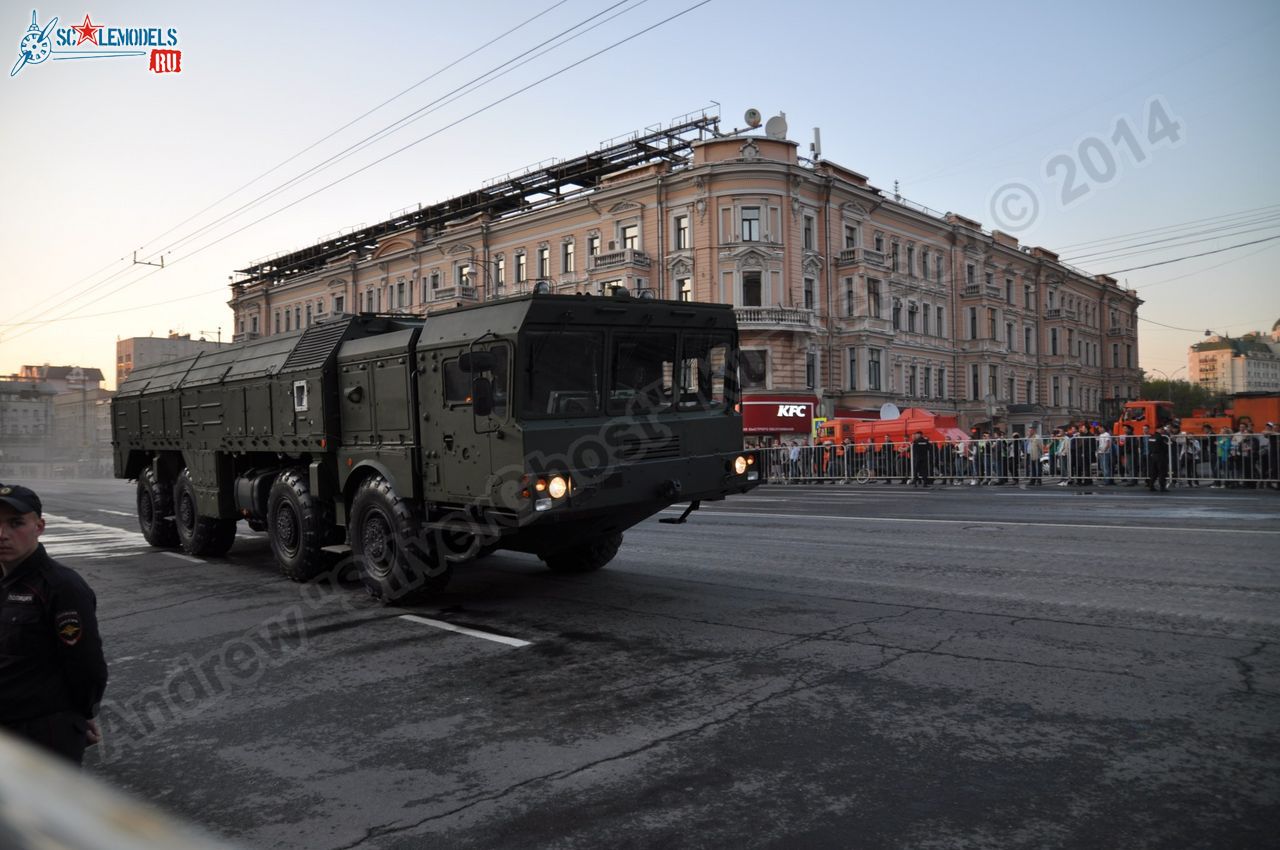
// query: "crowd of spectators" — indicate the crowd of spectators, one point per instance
point(1075, 454)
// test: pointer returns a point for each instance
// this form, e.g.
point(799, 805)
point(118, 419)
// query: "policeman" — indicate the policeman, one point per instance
point(52, 671)
point(1158, 460)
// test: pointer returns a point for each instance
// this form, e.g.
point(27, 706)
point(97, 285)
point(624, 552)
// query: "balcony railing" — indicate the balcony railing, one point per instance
point(617, 259)
point(454, 293)
point(1059, 313)
point(972, 290)
point(773, 317)
point(875, 258)
point(868, 324)
point(1120, 331)
point(847, 257)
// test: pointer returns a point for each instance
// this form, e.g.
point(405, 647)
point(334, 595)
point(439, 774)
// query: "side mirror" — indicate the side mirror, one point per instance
point(477, 361)
point(481, 396)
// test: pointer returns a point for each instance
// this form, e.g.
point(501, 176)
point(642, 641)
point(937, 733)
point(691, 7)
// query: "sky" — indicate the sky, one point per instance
point(1117, 134)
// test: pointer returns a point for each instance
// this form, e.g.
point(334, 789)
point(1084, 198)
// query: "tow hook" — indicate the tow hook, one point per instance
point(693, 506)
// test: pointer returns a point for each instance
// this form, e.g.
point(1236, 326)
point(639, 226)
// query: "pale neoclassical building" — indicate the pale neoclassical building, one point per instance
point(847, 297)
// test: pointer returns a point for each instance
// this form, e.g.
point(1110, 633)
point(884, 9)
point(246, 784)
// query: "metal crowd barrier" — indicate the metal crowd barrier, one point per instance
point(1228, 460)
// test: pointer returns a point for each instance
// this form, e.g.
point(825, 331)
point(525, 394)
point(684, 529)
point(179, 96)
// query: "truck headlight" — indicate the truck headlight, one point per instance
point(739, 465)
point(557, 487)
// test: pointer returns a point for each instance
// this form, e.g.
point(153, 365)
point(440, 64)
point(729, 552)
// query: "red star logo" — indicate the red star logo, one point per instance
point(88, 31)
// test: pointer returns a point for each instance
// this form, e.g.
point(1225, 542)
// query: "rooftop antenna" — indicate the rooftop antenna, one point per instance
point(897, 196)
point(752, 117)
point(815, 147)
point(776, 127)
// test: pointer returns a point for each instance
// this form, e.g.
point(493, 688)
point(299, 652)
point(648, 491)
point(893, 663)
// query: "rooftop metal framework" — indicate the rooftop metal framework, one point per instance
point(544, 183)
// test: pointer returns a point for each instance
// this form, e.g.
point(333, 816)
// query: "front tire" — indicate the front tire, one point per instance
point(155, 511)
point(297, 526)
point(396, 559)
point(584, 557)
point(199, 535)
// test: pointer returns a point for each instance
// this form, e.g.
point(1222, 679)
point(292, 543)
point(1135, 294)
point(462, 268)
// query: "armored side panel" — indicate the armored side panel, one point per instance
point(378, 403)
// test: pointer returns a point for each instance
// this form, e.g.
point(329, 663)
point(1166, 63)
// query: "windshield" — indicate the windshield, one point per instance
point(562, 374)
point(567, 374)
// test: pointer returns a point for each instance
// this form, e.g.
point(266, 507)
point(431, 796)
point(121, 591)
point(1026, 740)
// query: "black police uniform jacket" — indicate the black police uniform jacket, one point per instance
point(50, 651)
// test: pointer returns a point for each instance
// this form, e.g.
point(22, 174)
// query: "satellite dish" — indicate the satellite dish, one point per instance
point(776, 127)
point(752, 117)
point(889, 410)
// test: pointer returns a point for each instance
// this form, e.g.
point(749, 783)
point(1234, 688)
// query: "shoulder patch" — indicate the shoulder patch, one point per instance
point(67, 625)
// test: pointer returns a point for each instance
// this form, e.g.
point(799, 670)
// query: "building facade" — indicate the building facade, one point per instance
point(1229, 365)
point(846, 298)
point(139, 351)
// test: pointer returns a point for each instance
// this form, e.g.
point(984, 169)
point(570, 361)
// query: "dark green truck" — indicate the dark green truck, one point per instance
point(545, 424)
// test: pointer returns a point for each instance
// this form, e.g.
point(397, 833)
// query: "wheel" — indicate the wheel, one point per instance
point(395, 558)
point(863, 475)
point(199, 535)
point(298, 526)
point(155, 511)
point(584, 557)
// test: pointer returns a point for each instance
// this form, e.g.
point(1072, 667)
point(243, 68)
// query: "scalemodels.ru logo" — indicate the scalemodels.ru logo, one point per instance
point(91, 41)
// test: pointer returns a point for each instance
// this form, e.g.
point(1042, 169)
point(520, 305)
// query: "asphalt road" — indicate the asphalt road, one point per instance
point(871, 667)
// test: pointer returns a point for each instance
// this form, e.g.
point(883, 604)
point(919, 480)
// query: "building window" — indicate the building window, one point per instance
point(810, 369)
point(684, 289)
point(926, 385)
point(924, 263)
point(911, 381)
point(1008, 334)
point(253, 325)
point(809, 227)
point(1009, 390)
point(1128, 356)
point(894, 256)
point(566, 258)
point(277, 330)
point(993, 385)
point(880, 243)
point(522, 273)
point(897, 314)
point(593, 245)
point(630, 237)
point(682, 232)
point(942, 382)
point(1031, 392)
point(500, 272)
point(1053, 341)
point(973, 323)
point(873, 369)
point(1026, 340)
point(1071, 392)
point(1115, 355)
point(297, 317)
point(853, 368)
point(911, 260)
point(751, 295)
point(753, 368)
point(991, 323)
point(750, 224)
point(924, 317)
point(975, 392)
point(942, 327)
point(970, 274)
point(1008, 289)
point(873, 298)
point(912, 311)
point(848, 296)
point(809, 287)
point(1057, 391)
point(937, 270)
point(544, 263)
point(850, 236)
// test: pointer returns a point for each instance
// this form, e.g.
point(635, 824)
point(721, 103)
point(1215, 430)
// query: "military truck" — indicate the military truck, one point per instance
point(546, 424)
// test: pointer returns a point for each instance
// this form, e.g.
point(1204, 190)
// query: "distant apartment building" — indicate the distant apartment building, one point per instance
point(146, 350)
point(63, 378)
point(847, 297)
point(1244, 364)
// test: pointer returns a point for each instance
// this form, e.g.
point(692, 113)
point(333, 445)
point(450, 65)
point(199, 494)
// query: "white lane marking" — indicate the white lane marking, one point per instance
point(463, 630)
point(115, 513)
point(65, 537)
point(726, 512)
point(182, 557)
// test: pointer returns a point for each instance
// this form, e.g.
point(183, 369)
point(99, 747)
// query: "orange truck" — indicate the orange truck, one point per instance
point(1257, 409)
point(900, 430)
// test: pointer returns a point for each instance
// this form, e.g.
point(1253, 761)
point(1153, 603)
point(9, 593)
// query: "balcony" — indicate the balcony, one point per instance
point(868, 324)
point(454, 293)
point(1127, 333)
point(847, 257)
point(972, 290)
point(875, 258)
point(983, 346)
point(784, 318)
point(619, 259)
point(1059, 313)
